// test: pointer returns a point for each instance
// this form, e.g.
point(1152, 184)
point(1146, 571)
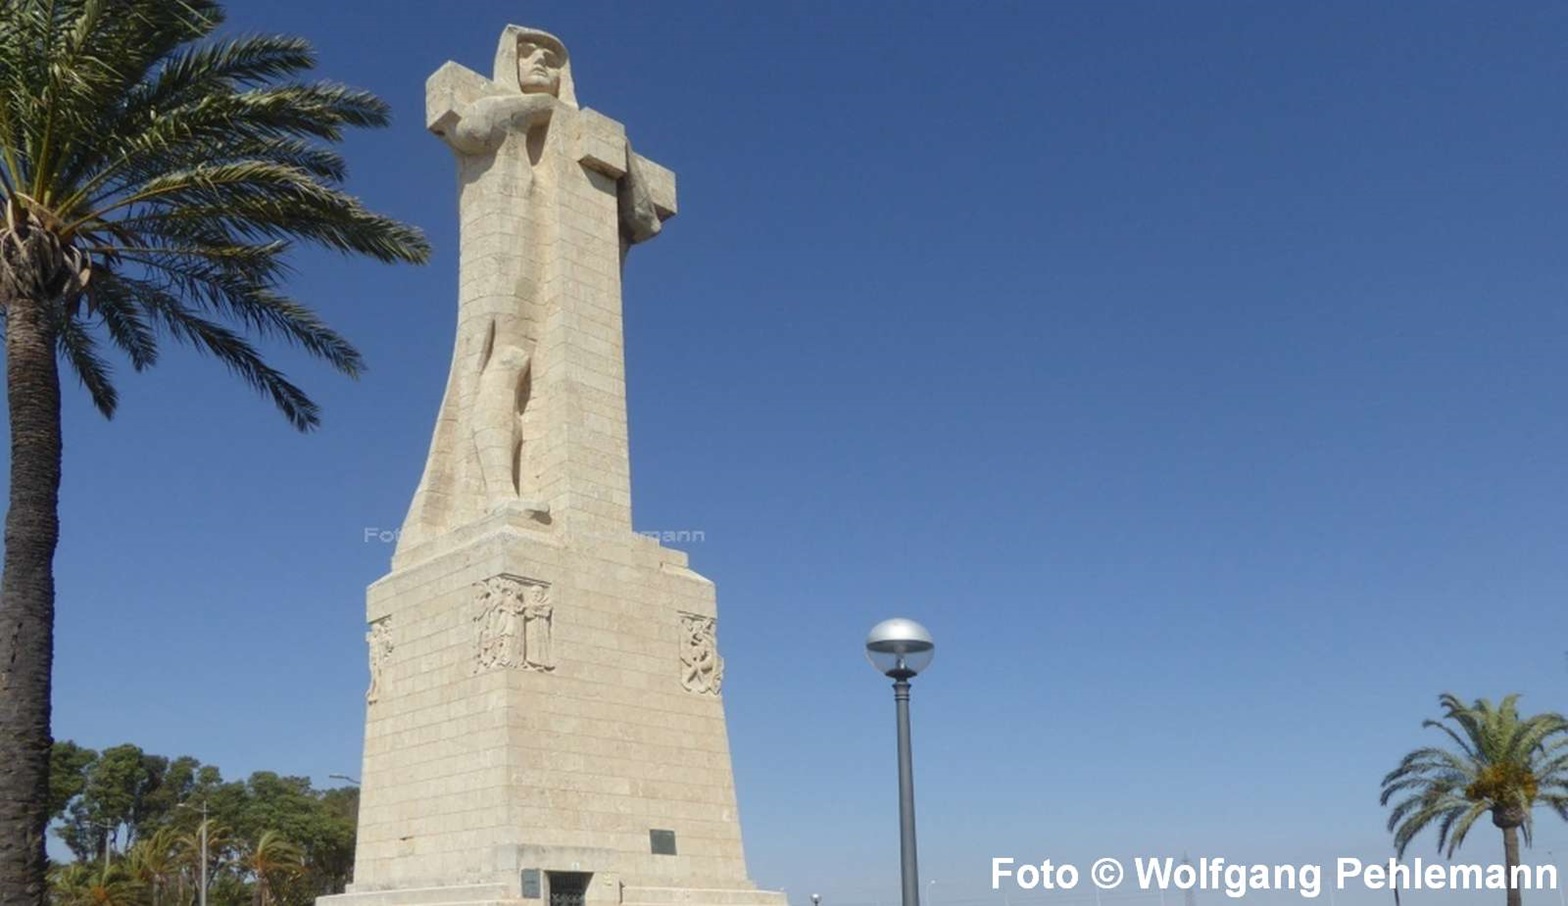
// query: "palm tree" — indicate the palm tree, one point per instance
point(271, 862)
point(151, 183)
point(1501, 764)
point(96, 884)
point(155, 862)
point(189, 849)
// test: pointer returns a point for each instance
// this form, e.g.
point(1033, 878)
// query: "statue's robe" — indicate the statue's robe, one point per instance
point(522, 180)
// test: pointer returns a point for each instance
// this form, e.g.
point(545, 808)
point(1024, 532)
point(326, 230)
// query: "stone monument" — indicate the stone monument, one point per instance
point(544, 723)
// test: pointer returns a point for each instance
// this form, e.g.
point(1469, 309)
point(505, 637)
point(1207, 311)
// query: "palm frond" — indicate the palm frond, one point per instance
point(237, 281)
point(1456, 826)
point(183, 169)
point(125, 322)
point(80, 350)
point(229, 348)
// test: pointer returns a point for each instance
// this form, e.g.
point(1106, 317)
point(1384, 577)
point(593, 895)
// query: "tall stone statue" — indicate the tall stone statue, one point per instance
point(546, 719)
point(532, 168)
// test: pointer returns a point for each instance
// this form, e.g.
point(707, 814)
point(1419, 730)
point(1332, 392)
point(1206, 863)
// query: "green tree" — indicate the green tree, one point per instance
point(113, 799)
point(118, 796)
point(329, 849)
point(321, 824)
point(174, 782)
point(1500, 764)
point(159, 802)
point(69, 764)
point(272, 862)
point(152, 181)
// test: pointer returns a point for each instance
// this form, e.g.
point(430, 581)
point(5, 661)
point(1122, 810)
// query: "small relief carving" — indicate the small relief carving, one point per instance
point(702, 670)
point(380, 640)
point(514, 624)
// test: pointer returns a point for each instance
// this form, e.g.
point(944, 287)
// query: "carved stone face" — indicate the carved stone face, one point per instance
point(538, 68)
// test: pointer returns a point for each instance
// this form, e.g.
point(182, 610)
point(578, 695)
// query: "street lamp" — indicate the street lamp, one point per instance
point(343, 777)
point(109, 828)
point(202, 830)
point(901, 648)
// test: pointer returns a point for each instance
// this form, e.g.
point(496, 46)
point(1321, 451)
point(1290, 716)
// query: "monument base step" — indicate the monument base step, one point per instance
point(700, 896)
point(459, 895)
point(498, 895)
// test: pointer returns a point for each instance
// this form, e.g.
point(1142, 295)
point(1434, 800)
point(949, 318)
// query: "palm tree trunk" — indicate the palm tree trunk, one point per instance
point(32, 530)
point(1511, 860)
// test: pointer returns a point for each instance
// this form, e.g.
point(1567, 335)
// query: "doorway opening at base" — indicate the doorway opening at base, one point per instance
point(568, 888)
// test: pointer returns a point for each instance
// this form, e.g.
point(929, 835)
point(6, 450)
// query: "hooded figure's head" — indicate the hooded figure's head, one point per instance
point(536, 62)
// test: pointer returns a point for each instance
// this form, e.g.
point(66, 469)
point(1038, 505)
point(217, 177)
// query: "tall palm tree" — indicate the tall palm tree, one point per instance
point(152, 180)
point(189, 851)
point(155, 862)
point(1501, 764)
point(271, 862)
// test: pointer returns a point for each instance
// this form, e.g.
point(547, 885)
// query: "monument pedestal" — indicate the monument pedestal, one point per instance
point(545, 713)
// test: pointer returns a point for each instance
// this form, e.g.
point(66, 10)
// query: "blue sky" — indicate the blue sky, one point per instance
point(1196, 372)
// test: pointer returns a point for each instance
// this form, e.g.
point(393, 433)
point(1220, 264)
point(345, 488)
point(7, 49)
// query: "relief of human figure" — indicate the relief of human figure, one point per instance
point(514, 625)
point(536, 635)
point(702, 668)
point(500, 624)
point(380, 641)
point(514, 137)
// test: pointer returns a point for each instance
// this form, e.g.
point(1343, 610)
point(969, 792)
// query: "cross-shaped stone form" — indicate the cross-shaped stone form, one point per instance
point(533, 423)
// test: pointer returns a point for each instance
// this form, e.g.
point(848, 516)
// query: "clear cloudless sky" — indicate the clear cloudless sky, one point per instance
point(1197, 372)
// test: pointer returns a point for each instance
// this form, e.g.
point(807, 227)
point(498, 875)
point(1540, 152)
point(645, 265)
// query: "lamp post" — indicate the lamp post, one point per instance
point(900, 649)
point(202, 833)
point(343, 777)
point(108, 829)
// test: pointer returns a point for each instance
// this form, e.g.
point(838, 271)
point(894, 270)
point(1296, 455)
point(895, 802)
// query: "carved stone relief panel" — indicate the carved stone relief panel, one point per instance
point(702, 670)
point(379, 638)
point(513, 622)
